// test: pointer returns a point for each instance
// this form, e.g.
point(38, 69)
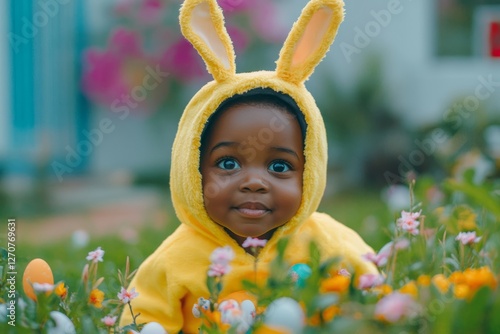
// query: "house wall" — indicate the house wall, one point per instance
point(419, 86)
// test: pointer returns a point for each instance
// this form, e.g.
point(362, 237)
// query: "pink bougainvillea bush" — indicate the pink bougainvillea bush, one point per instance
point(146, 60)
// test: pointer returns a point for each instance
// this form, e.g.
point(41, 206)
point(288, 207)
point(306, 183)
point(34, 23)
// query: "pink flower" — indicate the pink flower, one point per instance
point(222, 255)
point(367, 281)
point(395, 306)
point(254, 242)
point(344, 272)
point(125, 42)
point(95, 256)
point(218, 269)
point(233, 5)
point(126, 296)
point(409, 222)
point(268, 21)
point(109, 320)
point(468, 238)
point(182, 61)
point(151, 11)
point(239, 38)
point(380, 259)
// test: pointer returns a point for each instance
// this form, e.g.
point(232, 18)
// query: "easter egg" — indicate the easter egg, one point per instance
point(62, 324)
point(300, 272)
point(153, 328)
point(37, 271)
point(285, 314)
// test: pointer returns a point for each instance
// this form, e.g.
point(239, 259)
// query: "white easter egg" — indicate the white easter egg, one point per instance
point(62, 324)
point(153, 328)
point(285, 313)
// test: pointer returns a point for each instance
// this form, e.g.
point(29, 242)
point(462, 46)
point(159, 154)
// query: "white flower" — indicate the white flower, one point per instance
point(220, 259)
point(109, 320)
point(95, 256)
point(395, 306)
point(380, 259)
point(468, 238)
point(42, 287)
point(218, 269)
point(367, 281)
point(254, 242)
point(409, 222)
point(126, 296)
point(396, 197)
point(222, 255)
point(80, 238)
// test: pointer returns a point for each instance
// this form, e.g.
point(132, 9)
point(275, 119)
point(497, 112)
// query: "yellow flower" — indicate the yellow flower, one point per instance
point(410, 288)
point(441, 283)
point(60, 290)
point(327, 315)
point(382, 290)
point(476, 278)
point(457, 277)
point(336, 283)
point(424, 280)
point(96, 298)
point(466, 219)
point(462, 291)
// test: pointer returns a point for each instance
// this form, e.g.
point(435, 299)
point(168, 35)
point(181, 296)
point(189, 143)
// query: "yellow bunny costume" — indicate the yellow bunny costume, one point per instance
point(171, 280)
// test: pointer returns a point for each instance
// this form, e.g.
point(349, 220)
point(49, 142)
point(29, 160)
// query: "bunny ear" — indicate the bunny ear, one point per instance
point(309, 40)
point(202, 23)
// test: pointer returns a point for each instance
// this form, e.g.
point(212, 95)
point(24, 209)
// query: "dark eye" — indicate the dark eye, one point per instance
point(279, 167)
point(228, 164)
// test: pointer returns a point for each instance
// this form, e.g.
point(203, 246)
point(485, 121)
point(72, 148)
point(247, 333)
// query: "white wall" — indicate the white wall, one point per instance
point(420, 85)
point(5, 80)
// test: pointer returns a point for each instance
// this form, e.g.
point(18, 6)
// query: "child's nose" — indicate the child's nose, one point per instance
point(254, 181)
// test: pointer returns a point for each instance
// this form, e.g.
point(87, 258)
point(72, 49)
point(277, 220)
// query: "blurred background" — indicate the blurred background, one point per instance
point(91, 93)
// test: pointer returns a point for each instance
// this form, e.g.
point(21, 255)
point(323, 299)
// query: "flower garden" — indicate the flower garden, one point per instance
point(439, 273)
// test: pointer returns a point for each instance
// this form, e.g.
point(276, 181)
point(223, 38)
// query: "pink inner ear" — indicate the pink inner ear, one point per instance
point(313, 36)
point(203, 26)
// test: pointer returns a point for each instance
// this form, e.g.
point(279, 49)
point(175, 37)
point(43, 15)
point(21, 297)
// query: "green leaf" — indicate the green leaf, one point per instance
point(481, 195)
point(470, 316)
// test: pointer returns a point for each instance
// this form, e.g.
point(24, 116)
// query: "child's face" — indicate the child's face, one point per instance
point(252, 168)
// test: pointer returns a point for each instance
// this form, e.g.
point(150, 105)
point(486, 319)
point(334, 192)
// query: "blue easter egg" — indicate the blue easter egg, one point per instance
point(300, 272)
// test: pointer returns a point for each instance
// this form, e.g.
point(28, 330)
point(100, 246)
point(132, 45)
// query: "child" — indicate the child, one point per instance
point(249, 160)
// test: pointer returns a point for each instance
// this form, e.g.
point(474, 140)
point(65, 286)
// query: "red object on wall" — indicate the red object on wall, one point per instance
point(494, 40)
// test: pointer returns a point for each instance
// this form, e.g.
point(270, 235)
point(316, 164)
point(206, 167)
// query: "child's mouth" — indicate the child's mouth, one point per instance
point(252, 210)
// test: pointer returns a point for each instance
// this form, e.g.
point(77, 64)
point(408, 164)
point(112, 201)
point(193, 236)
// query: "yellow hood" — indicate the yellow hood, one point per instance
point(202, 23)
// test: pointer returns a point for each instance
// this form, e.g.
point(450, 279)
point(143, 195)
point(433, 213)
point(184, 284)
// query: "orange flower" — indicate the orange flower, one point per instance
point(441, 283)
point(424, 280)
point(336, 283)
point(410, 288)
point(327, 315)
point(382, 290)
point(61, 290)
point(462, 291)
point(96, 298)
point(457, 277)
point(476, 278)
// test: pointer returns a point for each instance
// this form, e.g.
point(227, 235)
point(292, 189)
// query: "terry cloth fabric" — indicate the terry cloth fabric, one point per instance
point(171, 280)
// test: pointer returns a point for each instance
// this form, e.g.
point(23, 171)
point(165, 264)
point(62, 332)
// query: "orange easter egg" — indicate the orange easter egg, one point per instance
point(37, 271)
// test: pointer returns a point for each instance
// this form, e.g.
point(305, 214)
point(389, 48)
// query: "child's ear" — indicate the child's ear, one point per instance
point(202, 23)
point(309, 40)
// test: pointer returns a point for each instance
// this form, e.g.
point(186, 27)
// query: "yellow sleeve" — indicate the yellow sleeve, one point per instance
point(155, 302)
point(336, 239)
